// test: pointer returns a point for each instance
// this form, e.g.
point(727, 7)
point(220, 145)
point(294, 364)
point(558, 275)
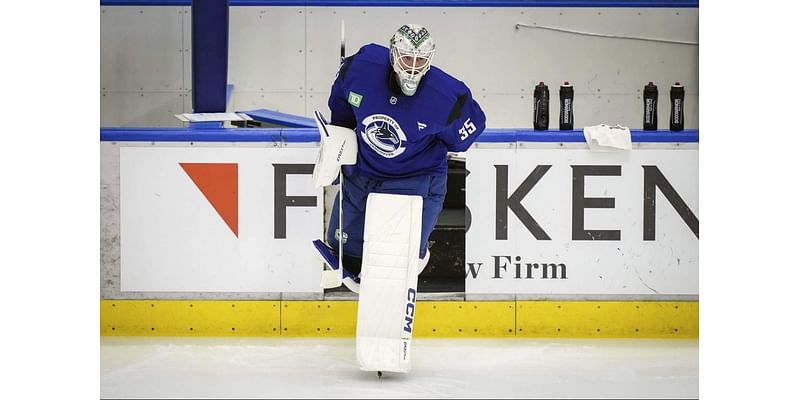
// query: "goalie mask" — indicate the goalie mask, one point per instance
point(411, 50)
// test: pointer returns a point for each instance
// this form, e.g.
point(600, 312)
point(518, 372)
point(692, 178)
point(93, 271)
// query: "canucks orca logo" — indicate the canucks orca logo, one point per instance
point(383, 135)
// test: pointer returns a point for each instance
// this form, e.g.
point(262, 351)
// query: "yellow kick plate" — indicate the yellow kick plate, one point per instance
point(574, 319)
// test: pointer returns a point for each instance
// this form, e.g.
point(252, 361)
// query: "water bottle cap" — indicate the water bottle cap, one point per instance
point(677, 84)
point(541, 82)
point(650, 83)
point(566, 83)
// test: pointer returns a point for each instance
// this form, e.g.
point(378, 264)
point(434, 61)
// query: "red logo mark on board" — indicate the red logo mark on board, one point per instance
point(219, 183)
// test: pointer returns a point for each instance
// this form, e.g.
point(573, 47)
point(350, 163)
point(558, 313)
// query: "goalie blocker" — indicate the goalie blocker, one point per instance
point(388, 291)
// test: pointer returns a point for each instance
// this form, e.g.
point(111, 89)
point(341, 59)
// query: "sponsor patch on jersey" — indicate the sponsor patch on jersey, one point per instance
point(354, 99)
point(383, 135)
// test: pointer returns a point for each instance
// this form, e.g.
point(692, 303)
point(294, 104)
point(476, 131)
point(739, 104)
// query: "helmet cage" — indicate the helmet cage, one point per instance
point(412, 64)
point(411, 56)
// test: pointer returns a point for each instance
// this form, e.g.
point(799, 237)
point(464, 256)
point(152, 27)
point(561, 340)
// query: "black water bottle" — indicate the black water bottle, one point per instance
point(650, 107)
point(541, 107)
point(566, 95)
point(676, 107)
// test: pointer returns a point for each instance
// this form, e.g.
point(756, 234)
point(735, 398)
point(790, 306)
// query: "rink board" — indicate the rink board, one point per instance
point(555, 218)
point(218, 219)
point(175, 235)
point(451, 319)
point(151, 185)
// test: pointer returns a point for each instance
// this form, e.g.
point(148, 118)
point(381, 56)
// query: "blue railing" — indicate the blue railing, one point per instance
point(424, 3)
point(304, 135)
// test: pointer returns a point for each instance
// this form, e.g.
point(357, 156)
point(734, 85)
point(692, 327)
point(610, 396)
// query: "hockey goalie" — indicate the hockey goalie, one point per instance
point(394, 119)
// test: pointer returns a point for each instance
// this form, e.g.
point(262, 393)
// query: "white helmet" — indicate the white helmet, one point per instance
point(411, 50)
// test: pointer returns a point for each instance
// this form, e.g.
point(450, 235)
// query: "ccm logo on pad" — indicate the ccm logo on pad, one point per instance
point(412, 297)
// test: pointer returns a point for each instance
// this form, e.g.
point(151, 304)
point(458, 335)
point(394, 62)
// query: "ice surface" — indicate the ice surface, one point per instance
point(289, 368)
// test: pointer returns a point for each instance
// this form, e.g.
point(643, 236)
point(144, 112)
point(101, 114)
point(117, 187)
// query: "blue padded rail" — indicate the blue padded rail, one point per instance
point(685, 136)
point(529, 135)
point(300, 135)
point(498, 136)
point(305, 135)
point(190, 135)
point(279, 118)
point(205, 125)
point(424, 3)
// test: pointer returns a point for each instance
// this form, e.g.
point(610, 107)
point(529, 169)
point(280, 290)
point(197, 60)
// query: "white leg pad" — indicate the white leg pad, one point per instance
point(389, 268)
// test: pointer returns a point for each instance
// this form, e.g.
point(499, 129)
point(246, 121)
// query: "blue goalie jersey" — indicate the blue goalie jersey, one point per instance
point(402, 136)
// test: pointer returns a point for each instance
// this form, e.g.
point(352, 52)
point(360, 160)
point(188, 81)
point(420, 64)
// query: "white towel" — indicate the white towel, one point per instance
point(607, 138)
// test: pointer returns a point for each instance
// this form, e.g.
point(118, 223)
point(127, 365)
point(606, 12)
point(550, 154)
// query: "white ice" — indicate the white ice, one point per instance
point(323, 368)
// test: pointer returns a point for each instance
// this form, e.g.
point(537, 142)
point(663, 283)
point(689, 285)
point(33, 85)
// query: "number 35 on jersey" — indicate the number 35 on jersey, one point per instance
point(467, 129)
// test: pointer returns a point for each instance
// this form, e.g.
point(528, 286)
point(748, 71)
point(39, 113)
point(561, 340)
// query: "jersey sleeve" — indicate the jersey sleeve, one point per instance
point(341, 111)
point(465, 122)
